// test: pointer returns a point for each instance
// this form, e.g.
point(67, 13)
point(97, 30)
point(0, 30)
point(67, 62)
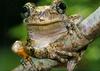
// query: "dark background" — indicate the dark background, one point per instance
point(12, 29)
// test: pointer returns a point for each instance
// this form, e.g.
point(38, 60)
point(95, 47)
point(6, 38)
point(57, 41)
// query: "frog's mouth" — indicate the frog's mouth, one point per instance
point(46, 23)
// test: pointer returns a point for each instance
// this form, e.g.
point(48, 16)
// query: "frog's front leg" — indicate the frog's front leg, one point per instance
point(70, 58)
point(19, 49)
point(50, 52)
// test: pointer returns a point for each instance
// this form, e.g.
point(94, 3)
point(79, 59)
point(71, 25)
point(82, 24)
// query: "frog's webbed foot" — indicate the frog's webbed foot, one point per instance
point(58, 58)
point(26, 61)
point(61, 56)
point(29, 60)
point(71, 58)
point(23, 63)
point(28, 64)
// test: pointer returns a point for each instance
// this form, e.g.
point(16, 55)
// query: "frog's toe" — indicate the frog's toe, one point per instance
point(64, 54)
point(58, 58)
point(26, 62)
point(23, 63)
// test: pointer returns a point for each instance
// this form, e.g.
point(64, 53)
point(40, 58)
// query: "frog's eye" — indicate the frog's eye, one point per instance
point(24, 12)
point(61, 7)
point(28, 9)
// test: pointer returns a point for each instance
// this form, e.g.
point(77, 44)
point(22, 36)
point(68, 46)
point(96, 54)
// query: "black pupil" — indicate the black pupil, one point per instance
point(24, 10)
point(62, 6)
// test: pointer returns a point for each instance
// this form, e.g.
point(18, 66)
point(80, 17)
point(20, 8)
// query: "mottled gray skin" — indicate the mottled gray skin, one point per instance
point(52, 35)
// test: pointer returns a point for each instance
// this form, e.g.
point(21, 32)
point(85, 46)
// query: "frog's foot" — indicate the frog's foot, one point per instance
point(58, 58)
point(23, 63)
point(64, 56)
point(72, 58)
point(28, 64)
point(19, 49)
point(61, 56)
point(64, 53)
point(29, 60)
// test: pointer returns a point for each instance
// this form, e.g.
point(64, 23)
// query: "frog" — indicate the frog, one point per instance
point(48, 29)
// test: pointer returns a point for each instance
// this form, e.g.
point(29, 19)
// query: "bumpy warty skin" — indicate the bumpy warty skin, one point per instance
point(53, 35)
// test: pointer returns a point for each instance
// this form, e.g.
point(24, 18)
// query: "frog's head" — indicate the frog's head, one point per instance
point(45, 15)
point(30, 8)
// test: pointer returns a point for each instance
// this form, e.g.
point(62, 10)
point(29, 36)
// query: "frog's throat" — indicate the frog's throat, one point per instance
point(46, 23)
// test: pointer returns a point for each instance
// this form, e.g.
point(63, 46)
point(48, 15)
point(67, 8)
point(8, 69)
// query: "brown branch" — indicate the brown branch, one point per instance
point(89, 28)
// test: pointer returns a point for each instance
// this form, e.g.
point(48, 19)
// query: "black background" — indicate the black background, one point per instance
point(9, 17)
